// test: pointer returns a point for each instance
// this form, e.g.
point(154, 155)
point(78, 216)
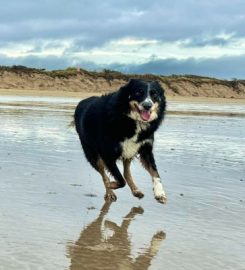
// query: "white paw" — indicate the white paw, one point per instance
point(159, 192)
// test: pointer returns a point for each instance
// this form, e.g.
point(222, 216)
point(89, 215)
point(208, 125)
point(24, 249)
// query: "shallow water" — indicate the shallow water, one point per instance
point(53, 214)
point(67, 103)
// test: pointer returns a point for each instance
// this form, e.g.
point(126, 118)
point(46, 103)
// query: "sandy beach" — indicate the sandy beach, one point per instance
point(52, 210)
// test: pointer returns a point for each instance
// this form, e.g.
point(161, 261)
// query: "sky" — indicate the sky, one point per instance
point(164, 37)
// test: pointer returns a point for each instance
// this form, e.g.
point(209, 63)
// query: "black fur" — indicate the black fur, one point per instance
point(103, 124)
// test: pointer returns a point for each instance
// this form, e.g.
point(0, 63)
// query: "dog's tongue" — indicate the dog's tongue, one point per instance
point(145, 115)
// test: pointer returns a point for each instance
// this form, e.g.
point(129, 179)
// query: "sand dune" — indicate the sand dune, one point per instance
point(75, 82)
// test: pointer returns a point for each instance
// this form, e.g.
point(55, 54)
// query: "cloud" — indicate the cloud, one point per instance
point(48, 62)
point(223, 68)
point(103, 21)
point(203, 42)
point(182, 35)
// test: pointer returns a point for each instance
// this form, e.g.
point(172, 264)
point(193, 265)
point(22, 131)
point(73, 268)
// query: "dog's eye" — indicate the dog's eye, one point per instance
point(139, 92)
point(154, 93)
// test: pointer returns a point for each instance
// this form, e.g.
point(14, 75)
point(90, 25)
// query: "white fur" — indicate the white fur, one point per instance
point(158, 188)
point(130, 147)
point(148, 99)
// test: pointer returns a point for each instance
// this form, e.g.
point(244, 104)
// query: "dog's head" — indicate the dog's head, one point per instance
point(145, 98)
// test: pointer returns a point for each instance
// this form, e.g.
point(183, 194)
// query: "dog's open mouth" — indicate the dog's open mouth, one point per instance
point(145, 115)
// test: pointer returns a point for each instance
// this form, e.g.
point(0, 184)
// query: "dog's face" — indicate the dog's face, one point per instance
point(145, 99)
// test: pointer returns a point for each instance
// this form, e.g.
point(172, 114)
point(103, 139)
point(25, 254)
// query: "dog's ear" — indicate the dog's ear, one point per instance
point(125, 90)
point(130, 83)
point(158, 85)
point(135, 82)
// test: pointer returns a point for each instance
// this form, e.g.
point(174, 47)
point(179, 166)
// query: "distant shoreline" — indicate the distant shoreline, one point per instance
point(77, 82)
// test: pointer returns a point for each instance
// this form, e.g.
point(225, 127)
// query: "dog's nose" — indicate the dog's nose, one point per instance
point(147, 105)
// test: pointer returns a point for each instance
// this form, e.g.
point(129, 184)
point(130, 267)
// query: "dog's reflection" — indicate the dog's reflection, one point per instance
point(95, 251)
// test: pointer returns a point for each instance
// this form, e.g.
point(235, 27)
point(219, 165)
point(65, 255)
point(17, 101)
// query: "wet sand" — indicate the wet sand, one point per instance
point(52, 210)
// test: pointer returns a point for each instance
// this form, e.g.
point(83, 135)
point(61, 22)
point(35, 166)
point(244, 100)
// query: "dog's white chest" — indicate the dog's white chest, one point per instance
point(131, 146)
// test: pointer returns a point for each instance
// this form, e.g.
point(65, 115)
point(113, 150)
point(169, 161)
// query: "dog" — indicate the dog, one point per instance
point(121, 126)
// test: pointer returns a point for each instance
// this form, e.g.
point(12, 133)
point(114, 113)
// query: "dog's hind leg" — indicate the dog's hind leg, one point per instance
point(110, 195)
point(127, 174)
point(98, 164)
point(113, 169)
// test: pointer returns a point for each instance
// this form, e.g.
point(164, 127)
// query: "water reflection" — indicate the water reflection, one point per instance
point(95, 250)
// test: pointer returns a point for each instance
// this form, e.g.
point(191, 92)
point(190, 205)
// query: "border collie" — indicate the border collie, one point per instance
point(121, 126)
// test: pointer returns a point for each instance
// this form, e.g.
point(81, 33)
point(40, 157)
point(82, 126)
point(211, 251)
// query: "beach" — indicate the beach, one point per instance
point(52, 210)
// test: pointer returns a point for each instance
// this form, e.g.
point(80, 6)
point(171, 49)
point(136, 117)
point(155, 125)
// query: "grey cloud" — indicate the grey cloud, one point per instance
point(96, 22)
point(202, 42)
point(224, 68)
point(35, 62)
point(49, 63)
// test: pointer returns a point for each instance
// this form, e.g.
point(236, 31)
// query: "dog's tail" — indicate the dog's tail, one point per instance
point(72, 124)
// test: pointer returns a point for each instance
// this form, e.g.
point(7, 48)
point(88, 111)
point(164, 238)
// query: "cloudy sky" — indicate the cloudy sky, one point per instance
point(140, 36)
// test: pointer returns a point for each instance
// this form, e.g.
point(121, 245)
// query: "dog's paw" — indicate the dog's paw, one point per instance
point(161, 199)
point(159, 193)
point(110, 197)
point(116, 185)
point(137, 193)
point(137, 210)
point(160, 235)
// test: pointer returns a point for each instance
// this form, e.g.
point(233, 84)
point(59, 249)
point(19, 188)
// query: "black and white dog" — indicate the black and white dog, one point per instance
point(121, 125)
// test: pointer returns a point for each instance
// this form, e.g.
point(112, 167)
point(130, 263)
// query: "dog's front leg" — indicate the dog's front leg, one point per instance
point(127, 174)
point(148, 161)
